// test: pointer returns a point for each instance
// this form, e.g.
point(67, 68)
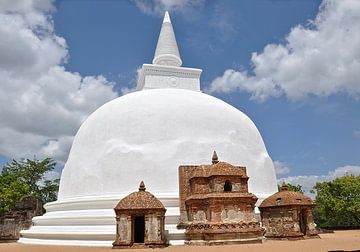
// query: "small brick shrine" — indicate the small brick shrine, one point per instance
point(288, 215)
point(215, 205)
point(140, 221)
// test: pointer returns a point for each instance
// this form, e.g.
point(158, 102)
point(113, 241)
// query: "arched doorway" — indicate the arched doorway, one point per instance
point(227, 186)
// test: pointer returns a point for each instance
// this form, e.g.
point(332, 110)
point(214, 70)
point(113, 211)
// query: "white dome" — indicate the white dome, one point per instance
point(147, 134)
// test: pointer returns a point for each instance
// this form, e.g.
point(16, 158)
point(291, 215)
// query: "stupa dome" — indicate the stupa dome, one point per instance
point(148, 134)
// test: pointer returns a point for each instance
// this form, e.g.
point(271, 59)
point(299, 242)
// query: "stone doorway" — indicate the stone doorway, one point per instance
point(139, 229)
point(303, 223)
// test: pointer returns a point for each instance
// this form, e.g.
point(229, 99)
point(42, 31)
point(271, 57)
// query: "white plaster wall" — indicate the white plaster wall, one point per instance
point(158, 81)
point(147, 134)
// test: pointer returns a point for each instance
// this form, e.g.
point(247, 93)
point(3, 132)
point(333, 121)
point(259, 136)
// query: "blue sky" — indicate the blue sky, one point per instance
point(299, 88)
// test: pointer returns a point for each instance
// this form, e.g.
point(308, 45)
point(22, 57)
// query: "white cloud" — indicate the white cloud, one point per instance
point(158, 7)
point(281, 168)
point(51, 175)
point(307, 182)
point(41, 103)
point(321, 59)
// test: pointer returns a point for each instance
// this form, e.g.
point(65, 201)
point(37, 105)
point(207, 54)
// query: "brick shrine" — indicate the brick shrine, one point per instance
point(288, 215)
point(216, 206)
point(140, 220)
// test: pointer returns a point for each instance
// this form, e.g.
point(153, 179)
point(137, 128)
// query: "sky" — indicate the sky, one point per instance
point(293, 66)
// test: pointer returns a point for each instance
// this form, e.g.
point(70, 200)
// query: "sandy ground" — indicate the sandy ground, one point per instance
point(338, 241)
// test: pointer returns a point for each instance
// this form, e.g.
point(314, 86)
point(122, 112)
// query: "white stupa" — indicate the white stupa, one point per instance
point(146, 135)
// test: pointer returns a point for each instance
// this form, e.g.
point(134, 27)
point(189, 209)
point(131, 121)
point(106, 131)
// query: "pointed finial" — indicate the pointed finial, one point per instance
point(284, 186)
point(142, 186)
point(215, 159)
point(167, 18)
point(167, 51)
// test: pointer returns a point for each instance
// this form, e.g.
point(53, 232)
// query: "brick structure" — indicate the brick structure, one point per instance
point(140, 220)
point(19, 218)
point(215, 205)
point(288, 215)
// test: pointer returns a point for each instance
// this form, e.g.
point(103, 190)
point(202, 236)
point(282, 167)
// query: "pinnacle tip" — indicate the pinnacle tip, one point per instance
point(142, 186)
point(167, 17)
point(215, 159)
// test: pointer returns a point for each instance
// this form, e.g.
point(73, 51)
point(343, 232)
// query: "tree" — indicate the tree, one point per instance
point(27, 178)
point(48, 192)
point(338, 203)
point(11, 191)
point(294, 188)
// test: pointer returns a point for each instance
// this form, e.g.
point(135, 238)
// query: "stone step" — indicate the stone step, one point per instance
point(75, 225)
point(89, 243)
point(82, 232)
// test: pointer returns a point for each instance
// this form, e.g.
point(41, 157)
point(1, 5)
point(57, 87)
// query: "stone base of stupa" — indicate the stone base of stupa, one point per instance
point(90, 221)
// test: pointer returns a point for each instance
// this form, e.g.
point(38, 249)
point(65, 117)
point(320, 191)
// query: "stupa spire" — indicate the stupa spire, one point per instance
point(166, 70)
point(167, 52)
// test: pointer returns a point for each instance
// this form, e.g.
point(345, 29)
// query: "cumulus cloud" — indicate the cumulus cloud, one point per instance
point(307, 182)
point(321, 59)
point(41, 103)
point(158, 7)
point(281, 168)
point(51, 175)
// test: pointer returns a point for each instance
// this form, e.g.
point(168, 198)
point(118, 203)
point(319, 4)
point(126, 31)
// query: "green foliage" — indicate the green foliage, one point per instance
point(338, 203)
point(294, 188)
point(25, 178)
point(48, 192)
point(11, 191)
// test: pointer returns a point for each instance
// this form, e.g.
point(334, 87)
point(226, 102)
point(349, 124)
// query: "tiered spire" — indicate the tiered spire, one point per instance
point(166, 70)
point(167, 52)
